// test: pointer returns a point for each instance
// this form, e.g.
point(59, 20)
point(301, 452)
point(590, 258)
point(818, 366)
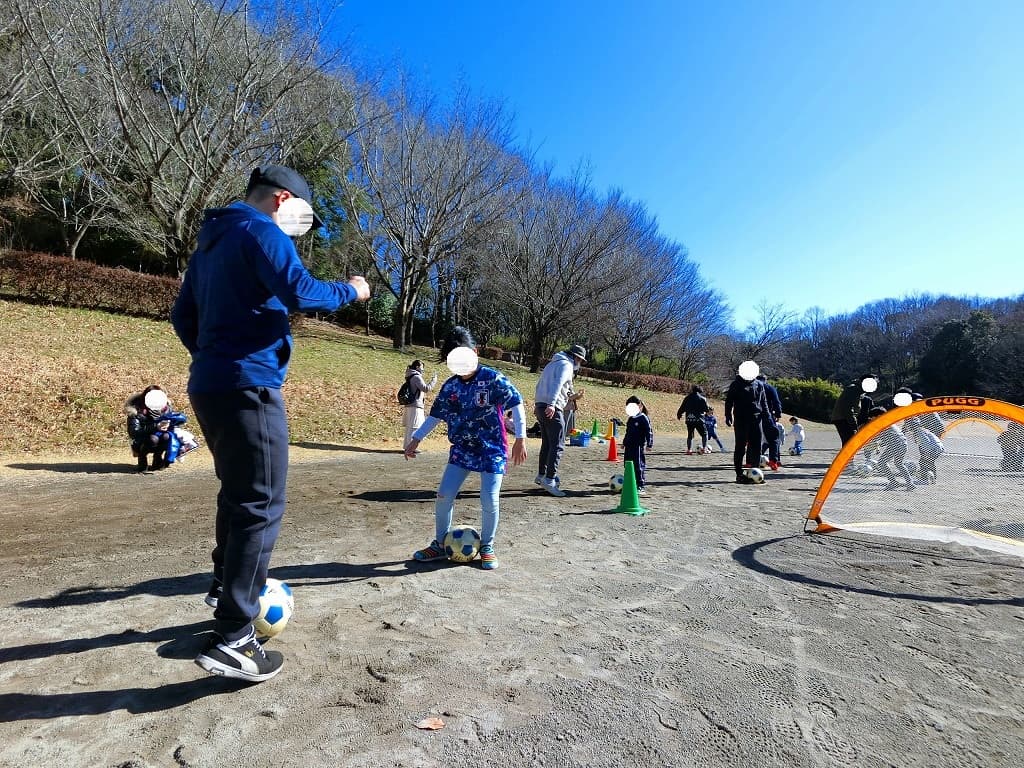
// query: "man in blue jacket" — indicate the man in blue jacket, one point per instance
point(232, 315)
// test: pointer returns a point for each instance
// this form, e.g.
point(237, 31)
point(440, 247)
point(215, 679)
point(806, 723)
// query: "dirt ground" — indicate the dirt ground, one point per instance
point(710, 632)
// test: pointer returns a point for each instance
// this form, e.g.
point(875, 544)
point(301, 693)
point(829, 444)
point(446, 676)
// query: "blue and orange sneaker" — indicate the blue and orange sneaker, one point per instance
point(488, 560)
point(433, 551)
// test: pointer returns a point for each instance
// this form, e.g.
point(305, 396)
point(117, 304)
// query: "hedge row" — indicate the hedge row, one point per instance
point(639, 380)
point(71, 283)
point(811, 399)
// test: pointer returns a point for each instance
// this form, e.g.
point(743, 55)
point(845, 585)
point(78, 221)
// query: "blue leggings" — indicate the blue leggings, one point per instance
point(451, 481)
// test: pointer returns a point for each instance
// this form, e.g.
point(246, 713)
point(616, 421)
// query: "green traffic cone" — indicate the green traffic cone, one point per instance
point(630, 502)
point(594, 429)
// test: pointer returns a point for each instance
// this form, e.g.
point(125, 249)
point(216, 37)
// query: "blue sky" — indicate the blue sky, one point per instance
point(806, 153)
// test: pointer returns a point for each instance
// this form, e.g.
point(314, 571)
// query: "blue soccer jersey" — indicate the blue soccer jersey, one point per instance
point(474, 411)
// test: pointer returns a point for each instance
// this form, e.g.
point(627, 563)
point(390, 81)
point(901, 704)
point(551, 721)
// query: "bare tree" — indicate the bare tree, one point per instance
point(563, 259)
point(667, 296)
point(766, 340)
point(424, 183)
point(198, 95)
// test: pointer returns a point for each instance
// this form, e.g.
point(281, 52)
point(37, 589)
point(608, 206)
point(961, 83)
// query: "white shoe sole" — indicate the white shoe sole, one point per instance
point(222, 670)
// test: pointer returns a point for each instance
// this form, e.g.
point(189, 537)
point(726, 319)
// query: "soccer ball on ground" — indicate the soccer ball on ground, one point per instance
point(792, 452)
point(764, 461)
point(755, 474)
point(616, 482)
point(462, 543)
point(276, 606)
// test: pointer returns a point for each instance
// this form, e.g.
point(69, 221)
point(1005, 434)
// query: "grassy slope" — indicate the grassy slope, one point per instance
point(65, 374)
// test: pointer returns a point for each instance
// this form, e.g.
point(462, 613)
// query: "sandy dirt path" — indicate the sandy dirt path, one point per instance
point(710, 632)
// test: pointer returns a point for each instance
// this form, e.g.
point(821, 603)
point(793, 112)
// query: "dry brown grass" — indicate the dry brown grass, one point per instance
point(65, 374)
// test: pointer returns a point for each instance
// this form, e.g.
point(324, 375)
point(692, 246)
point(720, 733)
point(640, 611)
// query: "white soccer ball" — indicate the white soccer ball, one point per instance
point(276, 606)
point(707, 449)
point(755, 474)
point(792, 452)
point(462, 543)
point(764, 461)
point(616, 482)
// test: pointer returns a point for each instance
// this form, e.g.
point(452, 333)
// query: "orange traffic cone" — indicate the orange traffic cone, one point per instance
point(613, 451)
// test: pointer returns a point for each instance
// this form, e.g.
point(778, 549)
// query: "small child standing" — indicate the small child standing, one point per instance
point(639, 434)
point(711, 424)
point(472, 403)
point(796, 429)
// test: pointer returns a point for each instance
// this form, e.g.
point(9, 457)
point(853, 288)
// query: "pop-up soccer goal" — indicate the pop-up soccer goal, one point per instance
point(966, 486)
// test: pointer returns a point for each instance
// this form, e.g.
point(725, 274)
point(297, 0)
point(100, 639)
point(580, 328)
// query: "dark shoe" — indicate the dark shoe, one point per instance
point(247, 662)
point(745, 480)
point(213, 596)
point(433, 551)
point(141, 465)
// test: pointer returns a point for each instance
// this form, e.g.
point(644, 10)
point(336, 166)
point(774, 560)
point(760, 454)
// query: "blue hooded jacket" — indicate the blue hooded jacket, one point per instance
point(232, 312)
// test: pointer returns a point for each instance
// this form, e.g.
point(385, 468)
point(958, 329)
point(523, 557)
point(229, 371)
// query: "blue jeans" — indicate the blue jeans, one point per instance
point(451, 481)
point(247, 433)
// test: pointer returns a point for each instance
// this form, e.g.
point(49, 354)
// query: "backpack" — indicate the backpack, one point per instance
point(405, 395)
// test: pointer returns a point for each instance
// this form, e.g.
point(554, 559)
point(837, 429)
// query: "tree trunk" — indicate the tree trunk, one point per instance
point(72, 245)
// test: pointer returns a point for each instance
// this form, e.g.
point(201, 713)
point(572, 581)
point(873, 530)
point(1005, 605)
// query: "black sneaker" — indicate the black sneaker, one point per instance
point(247, 662)
point(745, 480)
point(213, 596)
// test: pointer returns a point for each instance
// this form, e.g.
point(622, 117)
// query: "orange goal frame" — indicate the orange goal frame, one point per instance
point(846, 454)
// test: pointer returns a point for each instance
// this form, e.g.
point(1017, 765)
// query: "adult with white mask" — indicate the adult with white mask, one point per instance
point(232, 315)
point(551, 397)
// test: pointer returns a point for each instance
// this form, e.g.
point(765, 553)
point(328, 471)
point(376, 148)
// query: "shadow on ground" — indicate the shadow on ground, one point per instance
point(198, 583)
point(787, 558)
point(83, 467)
point(351, 448)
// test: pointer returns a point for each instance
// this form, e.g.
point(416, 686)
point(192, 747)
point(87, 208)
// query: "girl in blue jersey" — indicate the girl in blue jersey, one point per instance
point(473, 404)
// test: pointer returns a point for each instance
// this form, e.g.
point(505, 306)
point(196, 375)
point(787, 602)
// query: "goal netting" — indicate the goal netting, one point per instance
point(947, 469)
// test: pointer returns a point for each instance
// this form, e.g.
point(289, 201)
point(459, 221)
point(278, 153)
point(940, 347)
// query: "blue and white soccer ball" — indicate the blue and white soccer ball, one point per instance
point(755, 474)
point(862, 469)
point(462, 543)
point(616, 482)
point(276, 606)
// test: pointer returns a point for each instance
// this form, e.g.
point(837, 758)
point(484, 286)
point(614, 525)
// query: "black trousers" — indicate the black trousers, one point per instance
point(247, 433)
point(748, 444)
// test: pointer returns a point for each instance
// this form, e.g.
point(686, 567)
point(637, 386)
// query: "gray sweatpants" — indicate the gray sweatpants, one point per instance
point(552, 440)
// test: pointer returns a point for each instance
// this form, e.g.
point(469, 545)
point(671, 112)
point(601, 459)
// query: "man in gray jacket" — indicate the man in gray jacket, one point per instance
point(551, 397)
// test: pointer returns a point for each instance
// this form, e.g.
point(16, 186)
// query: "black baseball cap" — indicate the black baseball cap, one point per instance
point(283, 177)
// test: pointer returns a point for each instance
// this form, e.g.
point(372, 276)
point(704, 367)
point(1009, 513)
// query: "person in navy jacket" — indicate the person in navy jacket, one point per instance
point(232, 315)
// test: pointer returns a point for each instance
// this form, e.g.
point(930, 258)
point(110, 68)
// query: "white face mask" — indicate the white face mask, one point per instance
point(294, 217)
